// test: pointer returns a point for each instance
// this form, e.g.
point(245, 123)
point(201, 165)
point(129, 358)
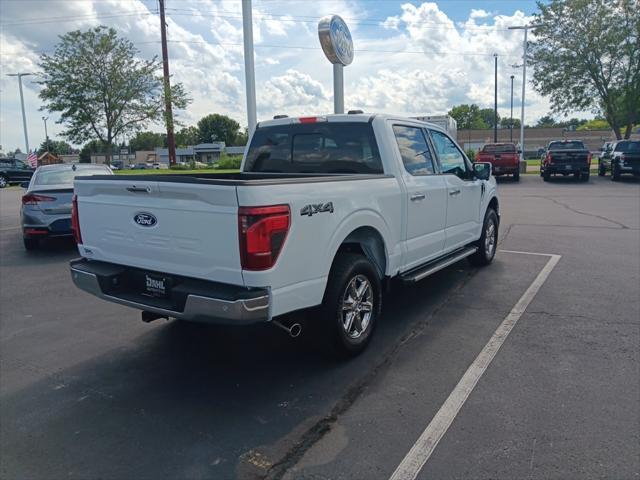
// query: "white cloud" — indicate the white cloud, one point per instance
point(417, 61)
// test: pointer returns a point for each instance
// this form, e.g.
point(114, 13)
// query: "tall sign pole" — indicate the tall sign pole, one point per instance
point(524, 82)
point(511, 115)
point(249, 68)
point(167, 88)
point(336, 42)
point(24, 116)
point(495, 100)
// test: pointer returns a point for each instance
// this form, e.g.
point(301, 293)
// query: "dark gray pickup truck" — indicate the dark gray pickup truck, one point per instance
point(566, 157)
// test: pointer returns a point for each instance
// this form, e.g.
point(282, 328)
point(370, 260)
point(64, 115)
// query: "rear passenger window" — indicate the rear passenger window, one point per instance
point(414, 150)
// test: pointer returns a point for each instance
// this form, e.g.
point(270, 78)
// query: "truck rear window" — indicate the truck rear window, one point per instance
point(566, 146)
point(628, 147)
point(499, 149)
point(326, 147)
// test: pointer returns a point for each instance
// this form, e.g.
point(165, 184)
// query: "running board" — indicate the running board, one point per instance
point(430, 268)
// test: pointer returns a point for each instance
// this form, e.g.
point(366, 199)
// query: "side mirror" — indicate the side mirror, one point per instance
point(518, 151)
point(482, 170)
point(24, 184)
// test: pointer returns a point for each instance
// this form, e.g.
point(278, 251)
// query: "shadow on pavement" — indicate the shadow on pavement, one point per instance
point(187, 400)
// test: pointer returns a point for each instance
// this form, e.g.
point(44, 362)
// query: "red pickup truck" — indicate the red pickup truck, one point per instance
point(504, 158)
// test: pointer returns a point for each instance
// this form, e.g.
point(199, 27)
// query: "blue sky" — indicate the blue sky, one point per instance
point(411, 58)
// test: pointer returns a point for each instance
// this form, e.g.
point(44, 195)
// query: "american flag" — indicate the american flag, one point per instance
point(32, 159)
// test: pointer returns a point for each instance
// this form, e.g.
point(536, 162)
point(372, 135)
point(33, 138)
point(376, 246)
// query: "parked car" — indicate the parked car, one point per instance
point(46, 204)
point(604, 161)
point(623, 157)
point(325, 211)
point(13, 171)
point(566, 157)
point(140, 166)
point(504, 158)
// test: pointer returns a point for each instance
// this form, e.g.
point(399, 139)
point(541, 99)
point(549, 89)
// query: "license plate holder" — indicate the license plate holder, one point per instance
point(156, 285)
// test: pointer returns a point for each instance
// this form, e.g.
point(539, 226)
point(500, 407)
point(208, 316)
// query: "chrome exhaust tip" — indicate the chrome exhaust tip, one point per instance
point(294, 330)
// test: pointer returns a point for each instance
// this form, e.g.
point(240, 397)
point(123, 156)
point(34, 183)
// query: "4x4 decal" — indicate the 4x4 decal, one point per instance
point(312, 209)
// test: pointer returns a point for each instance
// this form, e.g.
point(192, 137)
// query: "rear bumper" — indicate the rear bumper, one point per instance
point(509, 170)
point(629, 168)
point(566, 168)
point(39, 225)
point(194, 300)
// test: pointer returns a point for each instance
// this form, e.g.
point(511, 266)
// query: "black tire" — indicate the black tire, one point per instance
point(615, 173)
point(3, 181)
point(516, 177)
point(546, 176)
point(486, 250)
point(601, 171)
point(347, 271)
point(584, 177)
point(31, 244)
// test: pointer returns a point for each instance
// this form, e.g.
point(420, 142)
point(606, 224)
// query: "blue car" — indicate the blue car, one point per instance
point(46, 205)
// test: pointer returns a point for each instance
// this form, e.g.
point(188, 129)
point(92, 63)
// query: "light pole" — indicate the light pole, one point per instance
point(46, 135)
point(495, 100)
point(511, 116)
point(249, 68)
point(524, 82)
point(24, 116)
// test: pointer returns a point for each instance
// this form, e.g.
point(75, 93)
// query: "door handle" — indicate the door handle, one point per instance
point(135, 189)
point(418, 196)
point(454, 192)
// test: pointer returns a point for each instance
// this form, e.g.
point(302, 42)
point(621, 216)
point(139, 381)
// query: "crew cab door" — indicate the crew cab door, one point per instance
point(426, 196)
point(464, 193)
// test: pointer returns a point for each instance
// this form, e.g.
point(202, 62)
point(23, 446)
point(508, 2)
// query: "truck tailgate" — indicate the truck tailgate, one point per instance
point(176, 228)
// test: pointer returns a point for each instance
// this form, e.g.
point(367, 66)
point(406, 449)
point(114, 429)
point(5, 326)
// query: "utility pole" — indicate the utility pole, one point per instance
point(249, 68)
point(495, 100)
point(511, 115)
point(524, 82)
point(46, 135)
point(24, 116)
point(171, 143)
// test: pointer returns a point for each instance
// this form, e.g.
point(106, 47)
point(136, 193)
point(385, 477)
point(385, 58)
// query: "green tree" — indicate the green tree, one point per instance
point(505, 123)
point(57, 147)
point(90, 148)
point(546, 121)
point(243, 138)
point(101, 88)
point(468, 117)
point(487, 116)
point(147, 141)
point(218, 128)
point(187, 136)
point(590, 64)
point(595, 124)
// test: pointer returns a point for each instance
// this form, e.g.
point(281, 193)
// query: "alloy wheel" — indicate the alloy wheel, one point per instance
point(357, 306)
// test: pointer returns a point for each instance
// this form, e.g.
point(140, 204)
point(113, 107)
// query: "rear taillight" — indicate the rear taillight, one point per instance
point(263, 231)
point(75, 221)
point(548, 158)
point(589, 158)
point(33, 199)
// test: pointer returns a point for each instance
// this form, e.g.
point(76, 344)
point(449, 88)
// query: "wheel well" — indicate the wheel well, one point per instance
point(367, 241)
point(494, 204)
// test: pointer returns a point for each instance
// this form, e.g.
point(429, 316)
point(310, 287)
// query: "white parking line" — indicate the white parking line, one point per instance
point(5, 229)
point(428, 441)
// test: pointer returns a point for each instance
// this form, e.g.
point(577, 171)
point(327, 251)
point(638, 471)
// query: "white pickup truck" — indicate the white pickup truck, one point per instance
point(324, 211)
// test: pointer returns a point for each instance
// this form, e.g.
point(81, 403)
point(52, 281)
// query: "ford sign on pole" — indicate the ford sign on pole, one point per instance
point(337, 45)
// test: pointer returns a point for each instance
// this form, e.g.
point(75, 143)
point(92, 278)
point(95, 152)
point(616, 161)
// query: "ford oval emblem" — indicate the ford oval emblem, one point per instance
point(145, 219)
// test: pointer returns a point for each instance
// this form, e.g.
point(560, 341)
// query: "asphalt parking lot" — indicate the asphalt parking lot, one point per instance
point(89, 391)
